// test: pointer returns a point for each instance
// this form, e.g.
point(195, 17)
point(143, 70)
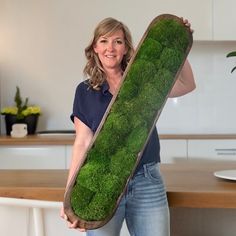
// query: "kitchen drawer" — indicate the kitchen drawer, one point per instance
point(172, 150)
point(32, 157)
point(212, 149)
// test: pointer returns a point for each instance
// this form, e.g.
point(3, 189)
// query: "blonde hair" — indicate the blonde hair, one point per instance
point(93, 69)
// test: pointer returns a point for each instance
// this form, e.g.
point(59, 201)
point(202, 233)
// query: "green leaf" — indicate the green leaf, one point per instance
point(231, 54)
point(233, 69)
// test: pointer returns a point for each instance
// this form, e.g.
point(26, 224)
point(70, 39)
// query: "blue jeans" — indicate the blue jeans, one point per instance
point(144, 206)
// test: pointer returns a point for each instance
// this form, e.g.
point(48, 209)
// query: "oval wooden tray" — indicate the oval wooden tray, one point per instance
point(96, 223)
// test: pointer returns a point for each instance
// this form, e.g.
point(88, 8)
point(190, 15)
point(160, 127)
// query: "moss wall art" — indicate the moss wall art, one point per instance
point(96, 189)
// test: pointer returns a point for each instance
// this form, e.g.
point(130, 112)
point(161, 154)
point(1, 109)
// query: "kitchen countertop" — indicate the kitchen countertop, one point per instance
point(188, 184)
point(192, 184)
point(49, 139)
point(68, 139)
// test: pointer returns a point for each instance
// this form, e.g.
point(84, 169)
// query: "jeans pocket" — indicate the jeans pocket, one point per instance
point(153, 174)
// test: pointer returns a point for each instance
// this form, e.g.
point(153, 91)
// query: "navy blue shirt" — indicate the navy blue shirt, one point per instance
point(90, 105)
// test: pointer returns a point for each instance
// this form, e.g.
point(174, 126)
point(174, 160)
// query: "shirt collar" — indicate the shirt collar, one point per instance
point(105, 88)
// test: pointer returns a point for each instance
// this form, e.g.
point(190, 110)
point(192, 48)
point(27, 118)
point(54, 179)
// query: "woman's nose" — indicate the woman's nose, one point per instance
point(110, 46)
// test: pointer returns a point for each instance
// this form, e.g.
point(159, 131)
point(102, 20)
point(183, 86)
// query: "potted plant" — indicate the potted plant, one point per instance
point(232, 54)
point(21, 113)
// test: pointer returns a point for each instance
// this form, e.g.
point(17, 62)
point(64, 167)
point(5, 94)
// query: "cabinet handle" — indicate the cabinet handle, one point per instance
point(226, 151)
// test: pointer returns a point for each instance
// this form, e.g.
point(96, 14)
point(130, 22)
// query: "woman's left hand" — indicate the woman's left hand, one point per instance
point(186, 22)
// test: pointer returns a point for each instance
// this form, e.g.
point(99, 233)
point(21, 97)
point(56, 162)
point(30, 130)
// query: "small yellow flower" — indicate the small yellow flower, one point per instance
point(32, 110)
point(9, 110)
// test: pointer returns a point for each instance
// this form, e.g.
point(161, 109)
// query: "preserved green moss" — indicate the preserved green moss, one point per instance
point(149, 111)
point(112, 158)
point(111, 183)
point(162, 81)
point(122, 163)
point(102, 204)
point(171, 59)
point(170, 34)
point(105, 140)
point(150, 50)
point(118, 123)
point(81, 196)
point(91, 175)
point(137, 139)
point(139, 73)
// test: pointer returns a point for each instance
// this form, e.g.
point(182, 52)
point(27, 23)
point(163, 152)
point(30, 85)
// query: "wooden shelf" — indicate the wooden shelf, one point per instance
point(68, 139)
point(54, 139)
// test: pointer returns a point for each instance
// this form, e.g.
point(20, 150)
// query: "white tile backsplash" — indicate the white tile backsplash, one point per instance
point(211, 107)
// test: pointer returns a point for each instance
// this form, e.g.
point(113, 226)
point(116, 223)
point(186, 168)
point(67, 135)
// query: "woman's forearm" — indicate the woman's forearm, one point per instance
point(82, 141)
point(185, 82)
point(78, 154)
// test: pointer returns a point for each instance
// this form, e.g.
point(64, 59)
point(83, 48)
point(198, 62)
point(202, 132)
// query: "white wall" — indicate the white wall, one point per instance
point(211, 107)
point(41, 50)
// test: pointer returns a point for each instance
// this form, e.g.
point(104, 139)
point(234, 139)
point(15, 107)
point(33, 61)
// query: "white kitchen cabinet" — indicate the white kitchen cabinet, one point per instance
point(210, 19)
point(14, 221)
point(32, 157)
point(224, 19)
point(173, 150)
point(199, 14)
point(68, 155)
point(55, 226)
point(215, 149)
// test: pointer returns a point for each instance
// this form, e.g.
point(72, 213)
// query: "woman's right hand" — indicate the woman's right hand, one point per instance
point(69, 224)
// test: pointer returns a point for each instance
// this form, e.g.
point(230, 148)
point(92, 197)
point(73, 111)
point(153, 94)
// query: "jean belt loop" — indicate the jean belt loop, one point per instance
point(145, 170)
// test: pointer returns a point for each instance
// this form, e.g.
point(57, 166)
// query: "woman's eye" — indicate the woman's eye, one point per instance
point(119, 42)
point(103, 41)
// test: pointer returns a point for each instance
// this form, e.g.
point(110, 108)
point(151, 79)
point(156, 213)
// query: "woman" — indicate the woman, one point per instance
point(144, 205)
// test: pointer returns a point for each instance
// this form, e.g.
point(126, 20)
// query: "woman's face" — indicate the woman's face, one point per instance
point(111, 49)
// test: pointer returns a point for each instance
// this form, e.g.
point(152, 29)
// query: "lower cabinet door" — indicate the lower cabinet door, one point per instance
point(14, 221)
point(216, 149)
point(32, 157)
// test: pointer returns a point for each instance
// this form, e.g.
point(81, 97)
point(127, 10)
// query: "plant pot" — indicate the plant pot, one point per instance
point(30, 120)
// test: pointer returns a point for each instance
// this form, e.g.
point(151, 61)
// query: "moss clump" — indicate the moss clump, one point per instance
point(95, 154)
point(91, 175)
point(122, 163)
point(171, 59)
point(128, 106)
point(139, 73)
point(169, 33)
point(112, 183)
point(149, 111)
point(100, 206)
point(137, 139)
point(118, 123)
point(81, 196)
point(150, 50)
point(132, 89)
point(163, 81)
point(114, 154)
point(105, 140)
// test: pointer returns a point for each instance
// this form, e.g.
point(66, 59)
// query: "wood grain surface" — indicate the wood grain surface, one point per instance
point(68, 139)
point(188, 184)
